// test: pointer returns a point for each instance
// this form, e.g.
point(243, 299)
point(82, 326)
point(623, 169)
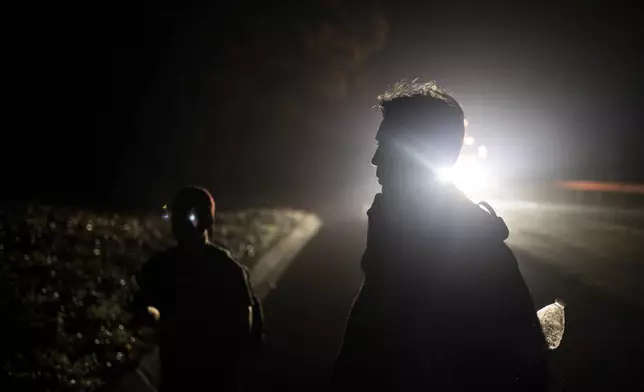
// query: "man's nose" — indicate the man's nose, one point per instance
point(376, 157)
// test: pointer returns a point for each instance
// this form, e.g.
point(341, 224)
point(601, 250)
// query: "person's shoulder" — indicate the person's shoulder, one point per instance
point(165, 254)
point(224, 257)
point(220, 251)
point(477, 237)
point(476, 221)
point(159, 258)
point(228, 268)
point(154, 268)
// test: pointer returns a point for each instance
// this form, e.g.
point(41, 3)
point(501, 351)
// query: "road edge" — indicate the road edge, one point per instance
point(265, 274)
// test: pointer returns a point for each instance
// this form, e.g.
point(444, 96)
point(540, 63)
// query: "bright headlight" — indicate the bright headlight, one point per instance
point(445, 174)
point(469, 177)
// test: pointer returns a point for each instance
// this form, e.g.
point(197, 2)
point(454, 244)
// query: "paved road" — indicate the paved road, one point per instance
point(592, 258)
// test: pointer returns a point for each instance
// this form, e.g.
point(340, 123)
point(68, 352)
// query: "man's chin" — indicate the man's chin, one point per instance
point(391, 185)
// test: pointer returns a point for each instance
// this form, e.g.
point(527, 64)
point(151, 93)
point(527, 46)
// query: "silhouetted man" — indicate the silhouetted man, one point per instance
point(204, 299)
point(443, 306)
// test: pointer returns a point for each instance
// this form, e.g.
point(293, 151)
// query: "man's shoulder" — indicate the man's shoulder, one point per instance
point(219, 251)
point(165, 254)
point(469, 220)
point(224, 257)
point(155, 268)
point(226, 267)
point(158, 259)
point(480, 234)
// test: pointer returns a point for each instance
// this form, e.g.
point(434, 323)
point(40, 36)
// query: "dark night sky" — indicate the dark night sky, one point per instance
point(111, 102)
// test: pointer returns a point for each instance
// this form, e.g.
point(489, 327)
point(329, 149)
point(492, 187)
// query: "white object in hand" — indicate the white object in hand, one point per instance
point(552, 320)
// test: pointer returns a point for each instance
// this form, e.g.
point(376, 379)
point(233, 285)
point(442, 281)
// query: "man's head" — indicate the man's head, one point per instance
point(193, 213)
point(422, 130)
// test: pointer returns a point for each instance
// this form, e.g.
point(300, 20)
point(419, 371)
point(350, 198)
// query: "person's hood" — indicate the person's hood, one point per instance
point(444, 214)
point(441, 208)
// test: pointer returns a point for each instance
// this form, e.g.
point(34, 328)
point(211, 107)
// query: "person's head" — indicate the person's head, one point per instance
point(192, 213)
point(422, 130)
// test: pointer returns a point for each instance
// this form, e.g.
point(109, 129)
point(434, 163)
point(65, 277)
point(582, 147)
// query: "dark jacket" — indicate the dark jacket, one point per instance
point(443, 305)
point(205, 301)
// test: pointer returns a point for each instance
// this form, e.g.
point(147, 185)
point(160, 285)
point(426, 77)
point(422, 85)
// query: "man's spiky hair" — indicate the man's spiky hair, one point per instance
point(405, 89)
point(423, 109)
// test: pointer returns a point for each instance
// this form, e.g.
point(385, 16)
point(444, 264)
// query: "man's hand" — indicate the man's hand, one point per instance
point(140, 303)
point(154, 312)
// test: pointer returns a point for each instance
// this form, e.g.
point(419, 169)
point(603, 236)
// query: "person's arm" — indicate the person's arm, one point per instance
point(256, 317)
point(144, 284)
point(529, 339)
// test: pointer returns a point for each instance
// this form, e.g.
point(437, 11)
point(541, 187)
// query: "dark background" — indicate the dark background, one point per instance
point(119, 103)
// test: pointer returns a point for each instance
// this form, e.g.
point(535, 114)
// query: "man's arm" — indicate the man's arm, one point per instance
point(238, 307)
point(144, 285)
point(256, 316)
point(529, 338)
